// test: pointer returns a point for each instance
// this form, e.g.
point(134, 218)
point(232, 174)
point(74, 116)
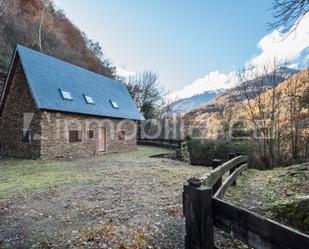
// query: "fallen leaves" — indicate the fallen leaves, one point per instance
point(111, 236)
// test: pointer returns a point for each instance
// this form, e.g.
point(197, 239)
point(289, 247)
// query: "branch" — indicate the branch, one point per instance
point(288, 14)
point(3, 6)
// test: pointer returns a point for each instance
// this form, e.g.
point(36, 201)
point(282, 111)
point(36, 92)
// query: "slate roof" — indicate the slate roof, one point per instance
point(47, 75)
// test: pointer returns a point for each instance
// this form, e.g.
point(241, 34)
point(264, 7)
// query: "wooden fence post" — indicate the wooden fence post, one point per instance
point(217, 185)
point(199, 216)
point(231, 156)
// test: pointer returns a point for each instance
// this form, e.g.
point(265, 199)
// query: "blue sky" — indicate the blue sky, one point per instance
point(180, 39)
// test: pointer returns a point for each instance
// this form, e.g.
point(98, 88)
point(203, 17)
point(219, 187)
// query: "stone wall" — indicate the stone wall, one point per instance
point(19, 101)
point(55, 140)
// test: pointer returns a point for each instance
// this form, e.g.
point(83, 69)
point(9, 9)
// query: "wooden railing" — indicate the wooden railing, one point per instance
point(204, 209)
point(165, 143)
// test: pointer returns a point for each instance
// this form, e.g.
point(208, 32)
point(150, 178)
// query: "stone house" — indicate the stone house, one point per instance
point(52, 109)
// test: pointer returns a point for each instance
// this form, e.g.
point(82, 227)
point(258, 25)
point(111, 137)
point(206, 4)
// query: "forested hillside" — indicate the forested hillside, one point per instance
point(39, 25)
point(235, 94)
point(275, 118)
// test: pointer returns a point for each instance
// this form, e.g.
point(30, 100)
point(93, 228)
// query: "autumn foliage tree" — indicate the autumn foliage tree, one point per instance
point(260, 103)
point(279, 115)
point(38, 24)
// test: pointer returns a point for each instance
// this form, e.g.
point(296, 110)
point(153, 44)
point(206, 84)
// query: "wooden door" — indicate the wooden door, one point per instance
point(101, 139)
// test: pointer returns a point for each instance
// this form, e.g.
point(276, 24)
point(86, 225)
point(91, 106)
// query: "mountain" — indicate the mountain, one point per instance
point(39, 25)
point(286, 72)
point(187, 104)
point(218, 113)
point(205, 101)
point(253, 87)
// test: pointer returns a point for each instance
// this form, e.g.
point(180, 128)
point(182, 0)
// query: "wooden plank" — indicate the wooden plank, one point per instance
point(229, 181)
point(199, 217)
point(215, 164)
point(256, 230)
point(159, 143)
point(213, 176)
point(231, 156)
point(164, 140)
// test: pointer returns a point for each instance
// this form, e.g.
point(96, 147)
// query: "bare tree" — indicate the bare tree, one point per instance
point(260, 101)
point(3, 6)
point(225, 116)
point(45, 4)
point(296, 114)
point(294, 110)
point(288, 13)
point(147, 93)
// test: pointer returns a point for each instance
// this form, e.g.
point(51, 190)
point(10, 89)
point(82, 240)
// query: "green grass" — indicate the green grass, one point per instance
point(17, 177)
point(236, 193)
point(272, 186)
point(275, 194)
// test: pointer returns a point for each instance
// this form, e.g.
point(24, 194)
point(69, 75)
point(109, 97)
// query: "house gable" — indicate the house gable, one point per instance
point(18, 113)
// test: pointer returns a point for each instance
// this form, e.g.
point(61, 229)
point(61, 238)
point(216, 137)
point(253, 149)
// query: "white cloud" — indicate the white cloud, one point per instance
point(211, 81)
point(124, 73)
point(285, 47)
point(291, 48)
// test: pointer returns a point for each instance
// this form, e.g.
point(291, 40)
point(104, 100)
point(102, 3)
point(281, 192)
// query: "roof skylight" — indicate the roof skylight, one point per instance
point(114, 104)
point(66, 95)
point(89, 100)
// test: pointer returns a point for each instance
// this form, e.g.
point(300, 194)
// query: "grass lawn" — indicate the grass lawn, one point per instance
point(125, 200)
point(281, 194)
point(22, 177)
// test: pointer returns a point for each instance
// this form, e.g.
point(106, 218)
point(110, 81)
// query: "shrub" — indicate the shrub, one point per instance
point(203, 151)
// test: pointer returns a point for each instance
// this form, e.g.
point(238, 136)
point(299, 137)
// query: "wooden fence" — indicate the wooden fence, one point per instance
point(204, 209)
point(165, 143)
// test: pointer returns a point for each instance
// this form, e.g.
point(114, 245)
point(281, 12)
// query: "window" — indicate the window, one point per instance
point(75, 136)
point(89, 100)
point(25, 136)
point(114, 104)
point(90, 134)
point(66, 95)
point(121, 135)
